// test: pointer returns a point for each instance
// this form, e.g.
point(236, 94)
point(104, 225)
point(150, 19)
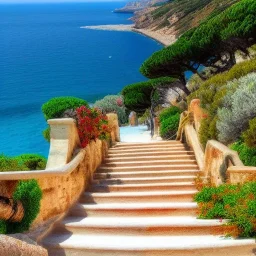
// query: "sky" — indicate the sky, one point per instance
point(55, 1)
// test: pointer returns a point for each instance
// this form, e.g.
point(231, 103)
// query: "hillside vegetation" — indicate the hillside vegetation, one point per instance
point(178, 16)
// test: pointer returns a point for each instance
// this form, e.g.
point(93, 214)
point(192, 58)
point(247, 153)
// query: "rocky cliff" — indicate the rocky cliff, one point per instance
point(173, 18)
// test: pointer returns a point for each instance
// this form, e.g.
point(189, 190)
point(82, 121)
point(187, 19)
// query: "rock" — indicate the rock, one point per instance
point(11, 246)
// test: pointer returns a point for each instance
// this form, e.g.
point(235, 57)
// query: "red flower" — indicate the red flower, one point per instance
point(92, 124)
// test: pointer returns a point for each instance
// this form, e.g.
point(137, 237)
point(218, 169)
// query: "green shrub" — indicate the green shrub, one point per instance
point(246, 154)
point(249, 135)
point(32, 161)
point(23, 162)
point(169, 127)
point(11, 164)
point(168, 112)
point(237, 109)
point(110, 103)
point(233, 202)
point(30, 195)
point(47, 134)
point(55, 107)
point(169, 122)
point(212, 92)
point(3, 227)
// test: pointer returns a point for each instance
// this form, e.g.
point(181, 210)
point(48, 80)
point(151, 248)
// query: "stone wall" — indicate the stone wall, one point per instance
point(69, 169)
point(217, 162)
point(61, 191)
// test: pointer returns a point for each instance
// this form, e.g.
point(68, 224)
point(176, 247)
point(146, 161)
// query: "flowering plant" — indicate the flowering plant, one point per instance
point(92, 125)
point(119, 102)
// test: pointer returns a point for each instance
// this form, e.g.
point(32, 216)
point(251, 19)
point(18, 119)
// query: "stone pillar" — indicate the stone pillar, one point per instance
point(133, 120)
point(64, 141)
point(114, 126)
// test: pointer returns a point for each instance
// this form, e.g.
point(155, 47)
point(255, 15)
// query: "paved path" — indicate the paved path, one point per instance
point(135, 134)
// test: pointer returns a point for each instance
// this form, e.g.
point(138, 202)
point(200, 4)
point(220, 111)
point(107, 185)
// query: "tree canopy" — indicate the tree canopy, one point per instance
point(212, 44)
point(138, 96)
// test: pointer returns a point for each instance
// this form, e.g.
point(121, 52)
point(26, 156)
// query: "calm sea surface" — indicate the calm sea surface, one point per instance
point(44, 53)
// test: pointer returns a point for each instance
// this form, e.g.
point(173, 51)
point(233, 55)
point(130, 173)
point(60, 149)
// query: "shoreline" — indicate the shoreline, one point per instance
point(162, 39)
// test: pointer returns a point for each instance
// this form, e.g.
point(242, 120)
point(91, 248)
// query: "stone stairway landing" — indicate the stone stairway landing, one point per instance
point(140, 202)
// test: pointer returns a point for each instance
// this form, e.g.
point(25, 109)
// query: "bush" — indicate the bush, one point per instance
point(113, 103)
point(169, 127)
point(11, 164)
point(246, 154)
point(3, 228)
point(169, 122)
point(23, 162)
point(47, 134)
point(234, 202)
point(32, 161)
point(30, 195)
point(91, 125)
point(55, 107)
point(249, 136)
point(212, 92)
point(238, 109)
point(168, 112)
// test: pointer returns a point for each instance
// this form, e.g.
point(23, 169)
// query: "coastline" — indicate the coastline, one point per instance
point(163, 39)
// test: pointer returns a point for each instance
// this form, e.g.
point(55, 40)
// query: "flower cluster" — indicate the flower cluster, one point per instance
point(119, 102)
point(92, 125)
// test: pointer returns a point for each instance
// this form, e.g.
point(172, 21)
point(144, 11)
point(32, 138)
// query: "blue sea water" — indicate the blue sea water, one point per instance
point(44, 53)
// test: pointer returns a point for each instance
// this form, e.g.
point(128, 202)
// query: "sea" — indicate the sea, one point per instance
point(44, 53)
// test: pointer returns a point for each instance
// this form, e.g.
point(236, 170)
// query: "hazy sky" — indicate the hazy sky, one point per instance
point(55, 1)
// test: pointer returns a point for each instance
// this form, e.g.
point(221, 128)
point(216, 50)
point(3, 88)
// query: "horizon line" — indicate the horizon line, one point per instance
point(62, 2)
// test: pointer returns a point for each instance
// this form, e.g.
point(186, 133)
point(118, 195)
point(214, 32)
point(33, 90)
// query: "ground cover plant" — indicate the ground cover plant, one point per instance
point(237, 203)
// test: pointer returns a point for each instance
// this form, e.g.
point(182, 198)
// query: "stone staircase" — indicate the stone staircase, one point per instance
point(141, 203)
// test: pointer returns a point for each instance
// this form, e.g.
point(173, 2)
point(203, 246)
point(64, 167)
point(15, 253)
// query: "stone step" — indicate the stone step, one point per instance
point(99, 245)
point(134, 209)
point(144, 180)
point(135, 174)
point(149, 154)
point(152, 143)
point(158, 167)
point(173, 186)
point(135, 197)
point(148, 158)
point(149, 163)
point(147, 149)
point(146, 226)
point(148, 145)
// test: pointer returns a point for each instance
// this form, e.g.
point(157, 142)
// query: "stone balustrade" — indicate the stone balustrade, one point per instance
point(217, 162)
point(68, 172)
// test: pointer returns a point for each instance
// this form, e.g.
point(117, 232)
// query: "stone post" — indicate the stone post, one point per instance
point(114, 126)
point(64, 141)
point(133, 120)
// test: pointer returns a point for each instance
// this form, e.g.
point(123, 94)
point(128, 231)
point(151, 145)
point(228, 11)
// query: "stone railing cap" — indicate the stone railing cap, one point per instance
point(61, 121)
